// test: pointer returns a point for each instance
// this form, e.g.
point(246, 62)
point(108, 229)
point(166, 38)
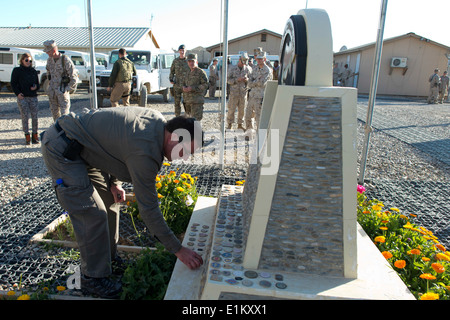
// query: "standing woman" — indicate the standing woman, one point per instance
point(25, 84)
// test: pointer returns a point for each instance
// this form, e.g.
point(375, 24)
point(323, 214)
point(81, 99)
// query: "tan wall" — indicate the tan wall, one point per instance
point(423, 58)
point(271, 46)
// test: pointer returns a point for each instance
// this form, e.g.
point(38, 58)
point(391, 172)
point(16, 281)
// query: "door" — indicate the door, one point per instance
point(166, 61)
point(6, 66)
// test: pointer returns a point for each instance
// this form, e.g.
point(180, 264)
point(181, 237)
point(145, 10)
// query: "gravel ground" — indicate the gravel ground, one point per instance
point(416, 171)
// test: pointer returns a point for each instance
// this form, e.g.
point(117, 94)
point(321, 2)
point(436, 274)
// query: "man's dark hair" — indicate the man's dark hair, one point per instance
point(122, 51)
point(182, 122)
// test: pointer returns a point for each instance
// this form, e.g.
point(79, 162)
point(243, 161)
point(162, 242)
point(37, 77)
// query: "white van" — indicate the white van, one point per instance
point(10, 58)
point(81, 61)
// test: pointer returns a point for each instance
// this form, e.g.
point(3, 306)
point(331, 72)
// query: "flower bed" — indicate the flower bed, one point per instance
point(412, 251)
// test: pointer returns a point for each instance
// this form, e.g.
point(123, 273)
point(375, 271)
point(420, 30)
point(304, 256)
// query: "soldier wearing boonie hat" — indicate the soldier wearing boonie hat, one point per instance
point(261, 73)
point(62, 79)
point(194, 88)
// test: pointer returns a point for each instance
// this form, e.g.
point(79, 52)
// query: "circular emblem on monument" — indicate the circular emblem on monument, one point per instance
point(293, 52)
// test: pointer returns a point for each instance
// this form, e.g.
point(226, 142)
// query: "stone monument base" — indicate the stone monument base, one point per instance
point(223, 276)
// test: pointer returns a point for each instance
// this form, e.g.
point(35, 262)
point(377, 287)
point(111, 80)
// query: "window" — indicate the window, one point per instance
point(77, 60)
point(6, 58)
point(263, 37)
point(167, 61)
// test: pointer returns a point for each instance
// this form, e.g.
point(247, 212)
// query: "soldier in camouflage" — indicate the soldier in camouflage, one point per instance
point(178, 70)
point(62, 79)
point(237, 79)
point(120, 79)
point(213, 78)
point(195, 86)
point(261, 73)
point(434, 80)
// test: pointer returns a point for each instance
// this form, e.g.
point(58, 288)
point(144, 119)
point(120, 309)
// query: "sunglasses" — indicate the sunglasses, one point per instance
point(28, 60)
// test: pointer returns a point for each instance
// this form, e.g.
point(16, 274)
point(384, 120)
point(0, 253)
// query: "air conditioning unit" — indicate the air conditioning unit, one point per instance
point(398, 62)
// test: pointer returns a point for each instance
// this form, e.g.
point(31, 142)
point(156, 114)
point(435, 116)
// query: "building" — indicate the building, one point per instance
point(268, 40)
point(77, 38)
point(407, 61)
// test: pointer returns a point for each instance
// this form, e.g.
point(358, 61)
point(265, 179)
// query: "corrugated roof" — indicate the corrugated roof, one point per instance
point(104, 37)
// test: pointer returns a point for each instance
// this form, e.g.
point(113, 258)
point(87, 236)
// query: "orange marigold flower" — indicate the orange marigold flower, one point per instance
point(380, 239)
point(441, 247)
point(366, 212)
point(400, 264)
point(439, 268)
point(160, 196)
point(386, 254)
point(413, 215)
point(425, 259)
point(415, 251)
point(383, 228)
point(176, 181)
point(427, 276)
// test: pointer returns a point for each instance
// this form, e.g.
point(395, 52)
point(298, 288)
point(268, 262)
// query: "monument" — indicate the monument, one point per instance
point(291, 232)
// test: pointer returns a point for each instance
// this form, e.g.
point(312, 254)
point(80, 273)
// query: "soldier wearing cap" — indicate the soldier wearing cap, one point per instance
point(195, 86)
point(434, 80)
point(62, 77)
point(178, 70)
point(261, 73)
point(120, 79)
point(213, 77)
point(238, 77)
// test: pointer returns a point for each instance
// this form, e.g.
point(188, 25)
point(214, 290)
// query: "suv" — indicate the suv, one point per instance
point(152, 75)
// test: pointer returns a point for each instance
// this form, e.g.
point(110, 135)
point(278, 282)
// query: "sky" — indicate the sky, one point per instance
point(200, 22)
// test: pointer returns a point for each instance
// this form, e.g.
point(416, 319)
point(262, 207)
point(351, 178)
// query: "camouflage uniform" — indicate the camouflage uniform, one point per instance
point(443, 91)
point(59, 93)
point(213, 77)
point(238, 93)
point(177, 74)
point(198, 81)
point(257, 84)
point(434, 87)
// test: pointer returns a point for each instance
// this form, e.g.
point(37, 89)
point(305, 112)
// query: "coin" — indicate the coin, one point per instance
point(265, 284)
point(251, 274)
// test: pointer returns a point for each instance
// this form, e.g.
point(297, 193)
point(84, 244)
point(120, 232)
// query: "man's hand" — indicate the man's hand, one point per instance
point(118, 193)
point(190, 258)
point(108, 89)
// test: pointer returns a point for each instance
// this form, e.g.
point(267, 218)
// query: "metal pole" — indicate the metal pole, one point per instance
point(224, 82)
point(373, 91)
point(91, 40)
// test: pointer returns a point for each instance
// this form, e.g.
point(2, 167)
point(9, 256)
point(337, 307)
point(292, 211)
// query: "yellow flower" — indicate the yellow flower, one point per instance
point(180, 189)
point(157, 179)
point(400, 264)
point(408, 225)
point(183, 175)
point(160, 196)
point(376, 207)
point(395, 209)
point(239, 183)
point(383, 228)
point(429, 296)
point(403, 216)
point(60, 288)
point(166, 164)
point(442, 256)
point(11, 293)
point(425, 259)
point(158, 185)
point(380, 239)
point(24, 297)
